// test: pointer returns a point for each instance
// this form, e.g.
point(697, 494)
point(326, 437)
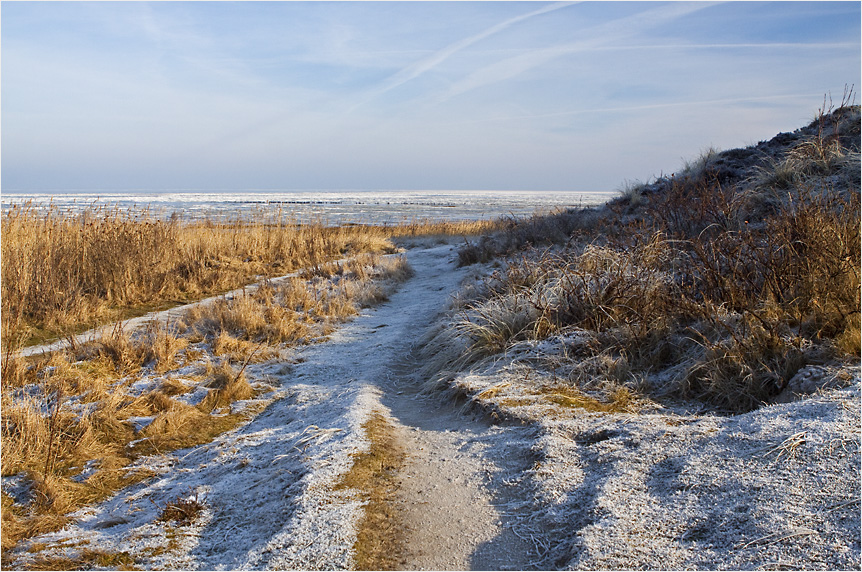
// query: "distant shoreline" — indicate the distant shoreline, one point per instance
point(337, 207)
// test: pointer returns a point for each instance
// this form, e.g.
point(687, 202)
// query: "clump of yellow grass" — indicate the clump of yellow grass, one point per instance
point(75, 411)
point(63, 271)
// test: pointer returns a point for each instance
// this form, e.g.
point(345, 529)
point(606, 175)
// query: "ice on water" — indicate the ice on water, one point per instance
point(332, 207)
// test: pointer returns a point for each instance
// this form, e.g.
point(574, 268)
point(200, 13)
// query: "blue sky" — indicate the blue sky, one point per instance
point(403, 95)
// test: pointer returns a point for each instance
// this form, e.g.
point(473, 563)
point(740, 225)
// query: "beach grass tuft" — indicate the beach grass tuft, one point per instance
point(721, 271)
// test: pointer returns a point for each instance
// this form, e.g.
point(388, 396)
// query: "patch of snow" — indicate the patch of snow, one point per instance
point(673, 490)
point(140, 423)
point(194, 397)
point(18, 487)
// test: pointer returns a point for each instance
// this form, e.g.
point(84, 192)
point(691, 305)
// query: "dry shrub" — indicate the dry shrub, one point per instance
point(56, 495)
point(13, 367)
point(799, 271)
point(495, 324)
point(183, 511)
point(745, 371)
point(342, 287)
point(165, 345)
point(45, 436)
point(832, 152)
point(605, 288)
point(126, 354)
point(225, 344)
point(247, 318)
point(227, 385)
point(393, 268)
point(473, 253)
point(802, 267)
point(173, 386)
point(13, 526)
point(429, 227)
point(346, 299)
point(513, 234)
point(25, 433)
point(695, 209)
point(850, 340)
point(599, 289)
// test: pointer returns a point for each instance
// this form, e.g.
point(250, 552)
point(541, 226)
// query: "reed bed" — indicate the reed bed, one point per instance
point(74, 422)
point(64, 272)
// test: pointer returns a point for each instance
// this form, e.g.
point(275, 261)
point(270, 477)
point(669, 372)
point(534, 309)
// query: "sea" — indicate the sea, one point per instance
point(326, 206)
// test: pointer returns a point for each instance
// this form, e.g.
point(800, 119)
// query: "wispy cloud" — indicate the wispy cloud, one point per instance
point(604, 34)
point(256, 94)
point(428, 63)
point(739, 46)
point(593, 110)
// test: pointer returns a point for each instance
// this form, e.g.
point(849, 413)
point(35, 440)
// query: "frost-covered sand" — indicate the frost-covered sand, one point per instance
point(777, 488)
point(542, 486)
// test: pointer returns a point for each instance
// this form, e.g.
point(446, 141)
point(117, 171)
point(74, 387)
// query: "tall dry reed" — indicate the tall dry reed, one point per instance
point(62, 271)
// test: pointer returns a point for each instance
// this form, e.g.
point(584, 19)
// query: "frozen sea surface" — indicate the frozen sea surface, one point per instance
point(380, 207)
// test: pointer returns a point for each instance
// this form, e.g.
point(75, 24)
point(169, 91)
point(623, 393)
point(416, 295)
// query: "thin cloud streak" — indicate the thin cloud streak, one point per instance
point(609, 32)
point(641, 107)
point(425, 65)
point(790, 46)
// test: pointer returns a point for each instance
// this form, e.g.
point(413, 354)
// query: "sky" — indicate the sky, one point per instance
point(580, 96)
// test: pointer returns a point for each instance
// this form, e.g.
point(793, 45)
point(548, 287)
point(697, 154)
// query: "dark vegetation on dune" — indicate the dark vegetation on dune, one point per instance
point(718, 282)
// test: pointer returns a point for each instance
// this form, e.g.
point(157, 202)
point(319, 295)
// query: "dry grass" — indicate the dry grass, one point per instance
point(299, 308)
point(620, 400)
point(73, 457)
point(183, 511)
point(514, 235)
point(165, 344)
point(70, 423)
point(692, 277)
point(64, 272)
point(379, 542)
point(430, 227)
point(87, 559)
point(75, 412)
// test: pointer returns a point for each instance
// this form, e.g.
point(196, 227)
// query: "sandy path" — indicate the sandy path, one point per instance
point(453, 493)
point(453, 490)
point(269, 486)
point(456, 465)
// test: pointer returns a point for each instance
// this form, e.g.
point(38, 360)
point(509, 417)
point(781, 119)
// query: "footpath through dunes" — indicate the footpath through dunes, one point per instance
point(269, 494)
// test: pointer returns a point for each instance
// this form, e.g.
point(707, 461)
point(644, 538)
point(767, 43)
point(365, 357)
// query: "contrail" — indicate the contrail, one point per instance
point(596, 37)
point(418, 68)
